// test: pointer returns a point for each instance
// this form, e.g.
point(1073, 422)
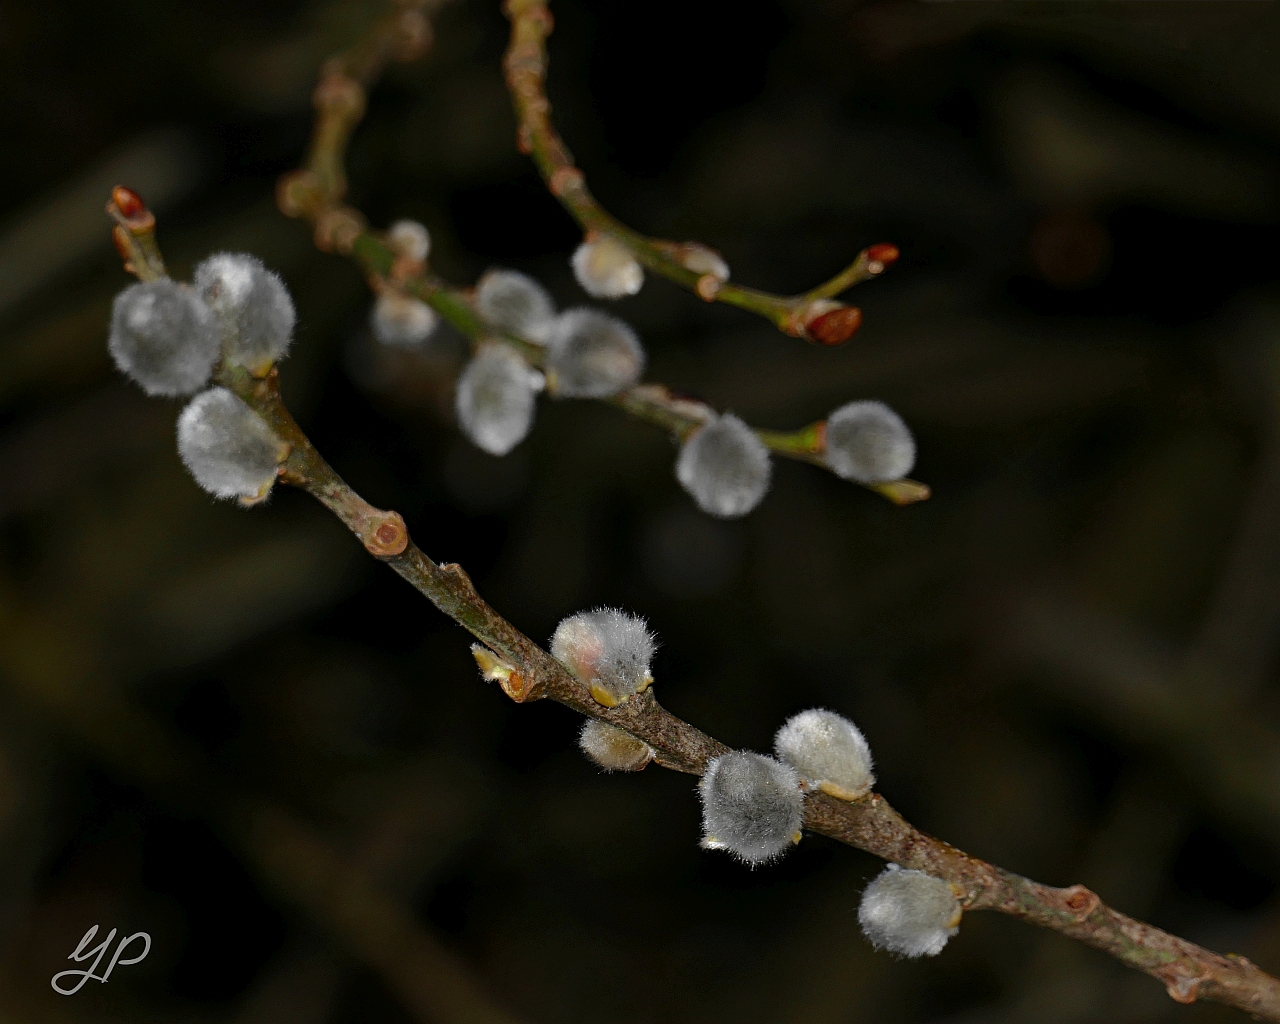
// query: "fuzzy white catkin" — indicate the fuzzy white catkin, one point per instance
point(909, 912)
point(495, 399)
point(253, 307)
point(410, 239)
point(606, 269)
point(725, 467)
point(608, 650)
point(867, 442)
point(402, 321)
point(163, 336)
point(515, 303)
point(229, 448)
point(592, 355)
point(613, 749)
point(828, 751)
point(702, 260)
point(751, 806)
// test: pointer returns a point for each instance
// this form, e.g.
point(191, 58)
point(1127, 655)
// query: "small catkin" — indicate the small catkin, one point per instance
point(606, 269)
point(402, 321)
point(495, 399)
point(164, 336)
point(608, 650)
point(702, 260)
point(828, 751)
point(867, 442)
point(229, 448)
point(751, 806)
point(409, 239)
point(725, 467)
point(613, 749)
point(592, 355)
point(909, 912)
point(253, 306)
point(515, 303)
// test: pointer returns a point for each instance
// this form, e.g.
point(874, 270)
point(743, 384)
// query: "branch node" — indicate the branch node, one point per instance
point(565, 179)
point(387, 538)
point(1079, 901)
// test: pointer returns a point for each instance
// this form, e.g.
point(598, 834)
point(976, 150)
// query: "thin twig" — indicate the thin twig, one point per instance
point(1189, 972)
point(526, 72)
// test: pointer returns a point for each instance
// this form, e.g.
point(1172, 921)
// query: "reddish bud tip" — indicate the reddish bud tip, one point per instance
point(128, 202)
point(835, 327)
point(883, 253)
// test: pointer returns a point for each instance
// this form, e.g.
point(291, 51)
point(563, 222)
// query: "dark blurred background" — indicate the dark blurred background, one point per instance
point(235, 732)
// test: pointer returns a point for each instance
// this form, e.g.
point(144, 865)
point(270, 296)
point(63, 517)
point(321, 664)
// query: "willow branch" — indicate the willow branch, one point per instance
point(1188, 972)
point(315, 193)
point(808, 315)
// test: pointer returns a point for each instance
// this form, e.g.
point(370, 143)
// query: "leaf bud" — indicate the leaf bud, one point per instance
point(751, 806)
point(725, 467)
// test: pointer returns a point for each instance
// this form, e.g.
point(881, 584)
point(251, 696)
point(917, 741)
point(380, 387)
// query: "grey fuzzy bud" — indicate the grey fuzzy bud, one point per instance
point(608, 650)
point(606, 269)
point(163, 336)
point(253, 306)
point(495, 399)
point(229, 448)
point(402, 321)
point(592, 355)
point(515, 303)
point(909, 912)
point(751, 806)
point(828, 751)
point(867, 442)
point(613, 749)
point(409, 239)
point(725, 467)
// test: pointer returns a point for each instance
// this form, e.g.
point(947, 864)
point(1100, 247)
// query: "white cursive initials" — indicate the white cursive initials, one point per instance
point(100, 950)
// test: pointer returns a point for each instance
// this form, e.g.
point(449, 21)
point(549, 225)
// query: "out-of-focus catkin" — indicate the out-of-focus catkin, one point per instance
point(606, 269)
point(613, 749)
point(592, 355)
point(867, 442)
point(495, 399)
point(253, 306)
point(515, 304)
point(725, 467)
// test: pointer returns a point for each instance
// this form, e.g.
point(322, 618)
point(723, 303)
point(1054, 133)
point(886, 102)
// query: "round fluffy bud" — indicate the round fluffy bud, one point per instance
point(828, 751)
point(515, 303)
point(606, 269)
point(253, 307)
point(401, 320)
point(607, 650)
point(909, 912)
point(592, 355)
point(409, 239)
point(702, 260)
point(495, 399)
point(751, 806)
point(867, 442)
point(228, 447)
point(725, 467)
point(613, 749)
point(164, 337)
